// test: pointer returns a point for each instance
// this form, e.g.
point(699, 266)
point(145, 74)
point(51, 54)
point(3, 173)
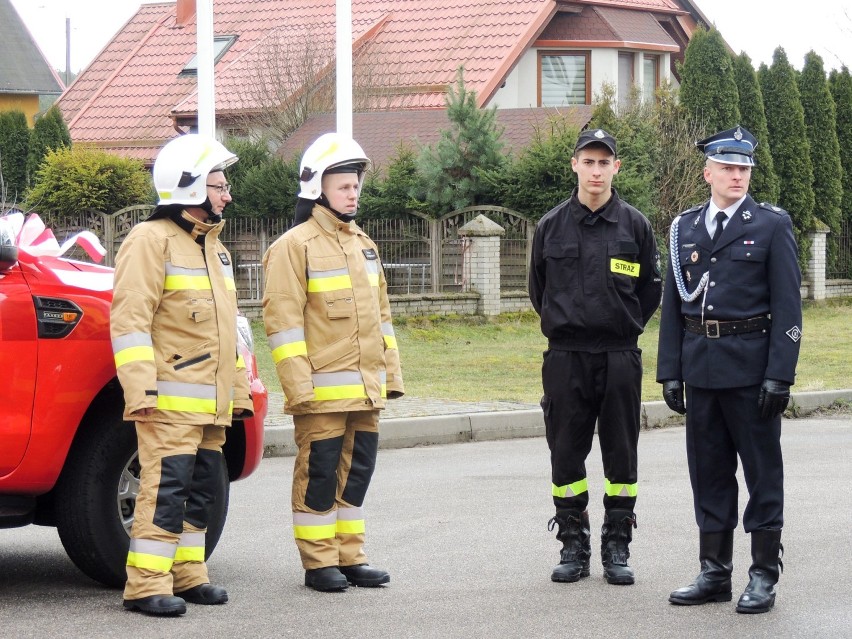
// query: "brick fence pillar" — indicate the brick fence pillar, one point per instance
point(815, 271)
point(481, 263)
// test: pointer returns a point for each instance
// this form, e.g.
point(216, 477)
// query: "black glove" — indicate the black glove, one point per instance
point(773, 399)
point(673, 394)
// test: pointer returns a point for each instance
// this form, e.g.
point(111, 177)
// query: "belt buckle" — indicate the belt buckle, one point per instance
point(711, 329)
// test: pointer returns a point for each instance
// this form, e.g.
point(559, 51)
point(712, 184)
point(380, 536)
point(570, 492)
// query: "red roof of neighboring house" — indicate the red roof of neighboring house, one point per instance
point(381, 133)
point(129, 99)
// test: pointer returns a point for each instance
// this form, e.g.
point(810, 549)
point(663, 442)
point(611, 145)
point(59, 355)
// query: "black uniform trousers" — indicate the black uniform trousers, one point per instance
point(721, 423)
point(581, 388)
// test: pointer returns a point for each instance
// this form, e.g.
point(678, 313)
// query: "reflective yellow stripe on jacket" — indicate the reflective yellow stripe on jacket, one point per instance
point(133, 347)
point(186, 397)
point(343, 385)
point(289, 343)
point(325, 281)
point(389, 335)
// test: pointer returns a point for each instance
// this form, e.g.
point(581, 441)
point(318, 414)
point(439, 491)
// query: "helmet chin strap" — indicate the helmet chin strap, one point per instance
point(343, 217)
point(207, 206)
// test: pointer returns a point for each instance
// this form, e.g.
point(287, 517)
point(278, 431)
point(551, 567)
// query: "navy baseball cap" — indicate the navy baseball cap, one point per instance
point(734, 146)
point(595, 136)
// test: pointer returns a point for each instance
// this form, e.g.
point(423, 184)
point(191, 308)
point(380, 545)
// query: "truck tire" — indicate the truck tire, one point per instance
point(96, 495)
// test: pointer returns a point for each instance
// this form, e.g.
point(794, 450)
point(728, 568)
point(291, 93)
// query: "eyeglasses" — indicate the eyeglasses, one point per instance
point(220, 188)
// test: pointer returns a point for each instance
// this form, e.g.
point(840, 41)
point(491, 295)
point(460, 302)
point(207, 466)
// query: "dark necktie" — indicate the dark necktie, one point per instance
point(720, 217)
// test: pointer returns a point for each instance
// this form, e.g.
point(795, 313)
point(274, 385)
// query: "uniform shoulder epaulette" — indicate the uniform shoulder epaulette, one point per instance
point(774, 209)
point(694, 209)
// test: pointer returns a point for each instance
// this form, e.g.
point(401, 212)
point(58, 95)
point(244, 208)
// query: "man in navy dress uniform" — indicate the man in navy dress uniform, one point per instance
point(730, 333)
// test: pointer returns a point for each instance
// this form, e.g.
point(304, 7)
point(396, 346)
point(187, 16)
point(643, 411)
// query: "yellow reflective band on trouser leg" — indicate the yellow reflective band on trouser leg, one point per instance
point(620, 490)
point(315, 539)
point(311, 526)
point(189, 569)
point(151, 555)
point(570, 490)
point(350, 535)
point(191, 547)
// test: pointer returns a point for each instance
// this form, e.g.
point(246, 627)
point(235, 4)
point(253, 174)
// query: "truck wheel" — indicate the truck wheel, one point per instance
point(96, 497)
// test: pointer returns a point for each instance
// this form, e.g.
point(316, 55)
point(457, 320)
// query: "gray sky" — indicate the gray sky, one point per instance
point(754, 26)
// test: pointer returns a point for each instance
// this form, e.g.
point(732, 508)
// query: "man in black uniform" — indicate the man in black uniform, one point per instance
point(595, 282)
point(730, 331)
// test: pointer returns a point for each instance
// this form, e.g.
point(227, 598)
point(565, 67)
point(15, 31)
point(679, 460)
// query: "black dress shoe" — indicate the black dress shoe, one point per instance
point(160, 605)
point(204, 594)
point(327, 579)
point(365, 576)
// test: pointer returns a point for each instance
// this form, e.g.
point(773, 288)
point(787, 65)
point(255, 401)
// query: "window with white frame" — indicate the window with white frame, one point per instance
point(650, 77)
point(563, 78)
point(625, 78)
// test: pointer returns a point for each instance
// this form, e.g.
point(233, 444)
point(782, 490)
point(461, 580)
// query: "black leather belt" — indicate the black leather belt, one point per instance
point(717, 328)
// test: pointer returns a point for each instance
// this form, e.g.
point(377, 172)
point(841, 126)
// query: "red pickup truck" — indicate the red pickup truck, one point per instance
point(67, 458)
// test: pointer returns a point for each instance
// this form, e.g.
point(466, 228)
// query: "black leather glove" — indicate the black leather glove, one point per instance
point(673, 394)
point(773, 399)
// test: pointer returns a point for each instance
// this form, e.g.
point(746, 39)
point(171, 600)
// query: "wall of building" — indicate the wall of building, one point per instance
point(20, 102)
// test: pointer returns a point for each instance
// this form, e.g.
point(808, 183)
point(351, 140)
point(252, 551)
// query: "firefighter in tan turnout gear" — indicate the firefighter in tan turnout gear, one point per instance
point(329, 326)
point(173, 326)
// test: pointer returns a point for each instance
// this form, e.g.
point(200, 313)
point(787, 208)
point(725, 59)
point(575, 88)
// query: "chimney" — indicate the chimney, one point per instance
point(185, 12)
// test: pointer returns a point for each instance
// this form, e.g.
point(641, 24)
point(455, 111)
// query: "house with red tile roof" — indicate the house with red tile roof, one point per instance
point(529, 58)
point(25, 74)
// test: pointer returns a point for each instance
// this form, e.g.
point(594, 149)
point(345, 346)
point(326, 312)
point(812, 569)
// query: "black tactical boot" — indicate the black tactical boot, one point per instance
point(766, 552)
point(157, 605)
point(327, 579)
point(713, 583)
point(576, 545)
point(364, 576)
point(616, 535)
point(204, 594)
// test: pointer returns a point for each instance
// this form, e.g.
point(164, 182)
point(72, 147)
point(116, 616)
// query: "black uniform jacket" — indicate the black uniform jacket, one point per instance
point(594, 277)
point(753, 271)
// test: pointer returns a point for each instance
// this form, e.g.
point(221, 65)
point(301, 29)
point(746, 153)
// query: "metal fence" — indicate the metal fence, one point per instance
point(840, 267)
point(419, 254)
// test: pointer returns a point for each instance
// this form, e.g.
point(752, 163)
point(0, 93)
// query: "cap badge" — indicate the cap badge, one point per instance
point(738, 135)
point(599, 134)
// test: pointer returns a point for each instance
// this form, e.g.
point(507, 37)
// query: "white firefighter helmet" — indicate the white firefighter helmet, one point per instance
point(182, 165)
point(329, 151)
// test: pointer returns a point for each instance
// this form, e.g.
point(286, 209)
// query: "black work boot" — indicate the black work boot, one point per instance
point(616, 535)
point(326, 579)
point(204, 594)
point(576, 545)
point(713, 583)
point(157, 605)
point(364, 575)
point(766, 565)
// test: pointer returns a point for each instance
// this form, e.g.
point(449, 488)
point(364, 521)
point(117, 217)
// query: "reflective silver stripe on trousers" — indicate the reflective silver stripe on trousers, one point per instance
point(151, 547)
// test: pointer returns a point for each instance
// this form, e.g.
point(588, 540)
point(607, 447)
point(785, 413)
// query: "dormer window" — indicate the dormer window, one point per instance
point(220, 45)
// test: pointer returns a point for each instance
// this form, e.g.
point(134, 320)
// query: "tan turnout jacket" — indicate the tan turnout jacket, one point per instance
point(328, 318)
point(173, 325)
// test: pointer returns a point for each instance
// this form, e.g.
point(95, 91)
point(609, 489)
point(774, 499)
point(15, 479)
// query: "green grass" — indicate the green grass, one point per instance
point(471, 359)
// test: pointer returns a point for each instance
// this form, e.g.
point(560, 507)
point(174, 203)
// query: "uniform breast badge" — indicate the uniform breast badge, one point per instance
point(694, 257)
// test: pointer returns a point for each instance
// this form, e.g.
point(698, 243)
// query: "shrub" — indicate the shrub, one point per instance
point(14, 142)
point(78, 178)
point(50, 132)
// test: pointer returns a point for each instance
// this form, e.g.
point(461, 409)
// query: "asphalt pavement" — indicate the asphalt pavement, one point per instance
point(462, 528)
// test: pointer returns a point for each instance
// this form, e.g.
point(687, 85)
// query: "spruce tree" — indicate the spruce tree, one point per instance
point(841, 89)
point(821, 125)
point(50, 132)
point(708, 90)
point(14, 142)
point(451, 171)
point(788, 139)
point(764, 185)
